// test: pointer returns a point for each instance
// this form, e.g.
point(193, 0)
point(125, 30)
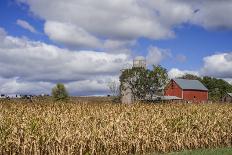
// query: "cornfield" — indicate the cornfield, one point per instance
point(88, 127)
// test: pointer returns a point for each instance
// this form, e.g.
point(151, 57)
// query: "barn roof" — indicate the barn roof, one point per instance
point(230, 94)
point(190, 84)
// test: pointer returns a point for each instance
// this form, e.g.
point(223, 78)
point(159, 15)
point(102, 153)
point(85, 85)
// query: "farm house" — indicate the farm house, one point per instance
point(227, 98)
point(187, 90)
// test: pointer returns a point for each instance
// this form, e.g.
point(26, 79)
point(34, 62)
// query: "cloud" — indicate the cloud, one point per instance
point(156, 55)
point(73, 36)
point(218, 65)
point(24, 24)
point(115, 20)
point(30, 66)
point(213, 14)
point(132, 19)
point(181, 58)
point(13, 86)
point(70, 34)
point(2, 33)
point(175, 73)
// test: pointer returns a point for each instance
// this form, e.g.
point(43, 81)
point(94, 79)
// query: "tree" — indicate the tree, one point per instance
point(144, 83)
point(191, 77)
point(114, 88)
point(135, 80)
point(217, 87)
point(59, 92)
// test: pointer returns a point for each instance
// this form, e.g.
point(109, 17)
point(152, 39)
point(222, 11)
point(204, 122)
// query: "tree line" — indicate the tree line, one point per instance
point(145, 83)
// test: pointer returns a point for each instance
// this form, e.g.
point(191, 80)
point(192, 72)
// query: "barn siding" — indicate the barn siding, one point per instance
point(195, 95)
point(173, 91)
point(187, 95)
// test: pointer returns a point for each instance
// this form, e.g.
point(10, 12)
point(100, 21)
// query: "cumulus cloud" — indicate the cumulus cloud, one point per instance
point(175, 73)
point(218, 65)
point(73, 36)
point(14, 86)
point(181, 58)
point(24, 24)
point(114, 20)
point(26, 63)
point(2, 33)
point(156, 55)
point(213, 14)
point(70, 34)
point(125, 20)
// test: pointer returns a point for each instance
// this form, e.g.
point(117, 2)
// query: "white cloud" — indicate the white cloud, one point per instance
point(29, 66)
point(14, 86)
point(181, 58)
point(175, 73)
point(218, 65)
point(116, 19)
point(24, 24)
point(2, 33)
point(92, 23)
point(213, 14)
point(71, 35)
point(156, 55)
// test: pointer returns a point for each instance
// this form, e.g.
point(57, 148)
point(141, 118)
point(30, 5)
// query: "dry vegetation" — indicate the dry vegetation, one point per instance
point(85, 127)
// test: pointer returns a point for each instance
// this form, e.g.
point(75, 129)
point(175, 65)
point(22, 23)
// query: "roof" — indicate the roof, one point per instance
point(230, 94)
point(190, 84)
point(157, 97)
point(170, 98)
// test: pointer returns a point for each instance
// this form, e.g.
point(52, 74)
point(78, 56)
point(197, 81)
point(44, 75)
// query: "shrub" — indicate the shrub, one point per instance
point(59, 92)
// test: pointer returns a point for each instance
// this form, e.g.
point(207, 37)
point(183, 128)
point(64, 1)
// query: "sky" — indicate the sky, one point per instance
point(85, 43)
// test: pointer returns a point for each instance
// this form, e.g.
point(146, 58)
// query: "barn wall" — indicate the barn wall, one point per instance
point(227, 98)
point(173, 90)
point(195, 95)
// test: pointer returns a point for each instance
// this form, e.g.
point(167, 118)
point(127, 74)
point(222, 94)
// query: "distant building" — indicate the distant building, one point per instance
point(2, 96)
point(188, 90)
point(227, 98)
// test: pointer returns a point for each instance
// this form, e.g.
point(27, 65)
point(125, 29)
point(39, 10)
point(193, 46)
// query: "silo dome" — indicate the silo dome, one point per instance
point(139, 61)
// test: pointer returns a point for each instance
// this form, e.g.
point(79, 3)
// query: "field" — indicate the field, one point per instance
point(95, 126)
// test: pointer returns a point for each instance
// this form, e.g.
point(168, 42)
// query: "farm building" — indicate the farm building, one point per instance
point(227, 98)
point(188, 90)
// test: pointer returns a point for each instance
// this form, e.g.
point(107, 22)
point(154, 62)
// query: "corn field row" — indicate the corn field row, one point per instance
point(79, 127)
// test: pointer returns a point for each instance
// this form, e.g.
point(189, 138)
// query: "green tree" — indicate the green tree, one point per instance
point(157, 80)
point(134, 79)
point(144, 83)
point(217, 87)
point(59, 92)
point(191, 77)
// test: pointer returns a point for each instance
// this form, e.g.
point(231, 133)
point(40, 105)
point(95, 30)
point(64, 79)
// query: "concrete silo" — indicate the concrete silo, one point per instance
point(127, 96)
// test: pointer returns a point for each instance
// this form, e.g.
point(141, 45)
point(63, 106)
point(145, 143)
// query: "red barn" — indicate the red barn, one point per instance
point(188, 90)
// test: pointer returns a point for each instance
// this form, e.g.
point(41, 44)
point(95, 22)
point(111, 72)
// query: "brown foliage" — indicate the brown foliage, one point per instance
point(85, 127)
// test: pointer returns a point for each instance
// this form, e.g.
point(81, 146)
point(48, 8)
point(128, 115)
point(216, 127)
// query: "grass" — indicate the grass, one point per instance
point(96, 126)
point(220, 151)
